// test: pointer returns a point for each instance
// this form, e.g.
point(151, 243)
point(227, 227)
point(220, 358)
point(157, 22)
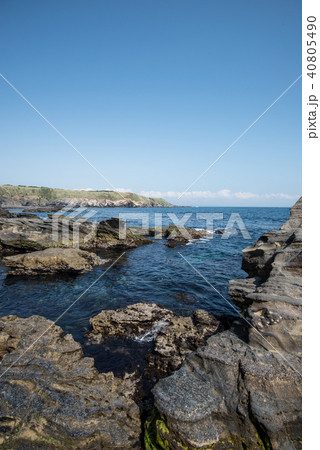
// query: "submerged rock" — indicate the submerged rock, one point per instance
point(244, 390)
point(51, 396)
point(52, 261)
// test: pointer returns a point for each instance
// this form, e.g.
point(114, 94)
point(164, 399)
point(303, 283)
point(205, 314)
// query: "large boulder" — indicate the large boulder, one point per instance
point(52, 261)
point(51, 396)
point(243, 388)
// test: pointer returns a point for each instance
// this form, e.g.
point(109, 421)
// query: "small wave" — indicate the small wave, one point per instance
point(230, 231)
point(150, 335)
point(203, 239)
point(203, 229)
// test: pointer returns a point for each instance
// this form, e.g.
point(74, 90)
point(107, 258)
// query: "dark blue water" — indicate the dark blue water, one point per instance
point(152, 273)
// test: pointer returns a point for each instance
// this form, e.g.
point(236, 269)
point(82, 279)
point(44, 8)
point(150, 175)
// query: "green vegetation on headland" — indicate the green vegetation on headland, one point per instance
point(42, 195)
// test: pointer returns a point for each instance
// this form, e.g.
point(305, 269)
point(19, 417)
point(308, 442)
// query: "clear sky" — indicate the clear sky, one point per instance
point(152, 92)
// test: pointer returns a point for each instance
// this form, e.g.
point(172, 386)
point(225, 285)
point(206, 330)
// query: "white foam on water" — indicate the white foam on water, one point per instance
point(150, 335)
point(203, 229)
point(194, 241)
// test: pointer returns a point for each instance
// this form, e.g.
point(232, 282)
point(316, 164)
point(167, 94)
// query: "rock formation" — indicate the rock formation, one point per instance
point(181, 235)
point(182, 336)
point(173, 336)
point(31, 234)
point(243, 389)
point(51, 396)
point(134, 321)
point(175, 235)
point(9, 215)
point(52, 261)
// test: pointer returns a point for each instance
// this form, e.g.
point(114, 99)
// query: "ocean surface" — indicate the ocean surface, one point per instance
point(151, 273)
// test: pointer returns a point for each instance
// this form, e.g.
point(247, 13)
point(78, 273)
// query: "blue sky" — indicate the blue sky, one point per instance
point(152, 92)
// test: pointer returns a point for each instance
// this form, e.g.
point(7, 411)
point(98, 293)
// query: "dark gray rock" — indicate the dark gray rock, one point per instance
point(230, 392)
point(177, 235)
point(51, 396)
point(272, 294)
point(179, 338)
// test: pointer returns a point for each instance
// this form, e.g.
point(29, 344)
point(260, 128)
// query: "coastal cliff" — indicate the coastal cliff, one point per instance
point(35, 197)
point(243, 388)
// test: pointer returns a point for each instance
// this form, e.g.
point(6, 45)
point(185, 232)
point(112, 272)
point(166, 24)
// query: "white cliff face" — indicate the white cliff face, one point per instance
point(245, 389)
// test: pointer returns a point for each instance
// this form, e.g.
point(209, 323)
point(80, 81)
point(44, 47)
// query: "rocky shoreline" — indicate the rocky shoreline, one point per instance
point(215, 386)
point(23, 233)
point(238, 392)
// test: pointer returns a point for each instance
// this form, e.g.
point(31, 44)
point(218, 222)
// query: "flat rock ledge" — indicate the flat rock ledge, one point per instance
point(27, 234)
point(51, 396)
point(243, 390)
point(52, 261)
point(173, 336)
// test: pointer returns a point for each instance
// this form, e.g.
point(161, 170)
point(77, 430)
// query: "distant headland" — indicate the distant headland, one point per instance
point(35, 197)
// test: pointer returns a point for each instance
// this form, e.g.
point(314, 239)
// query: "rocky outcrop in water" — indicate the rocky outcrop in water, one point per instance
point(173, 336)
point(52, 261)
point(135, 321)
point(31, 234)
point(243, 390)
point(51, 396)
point(177, 235)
